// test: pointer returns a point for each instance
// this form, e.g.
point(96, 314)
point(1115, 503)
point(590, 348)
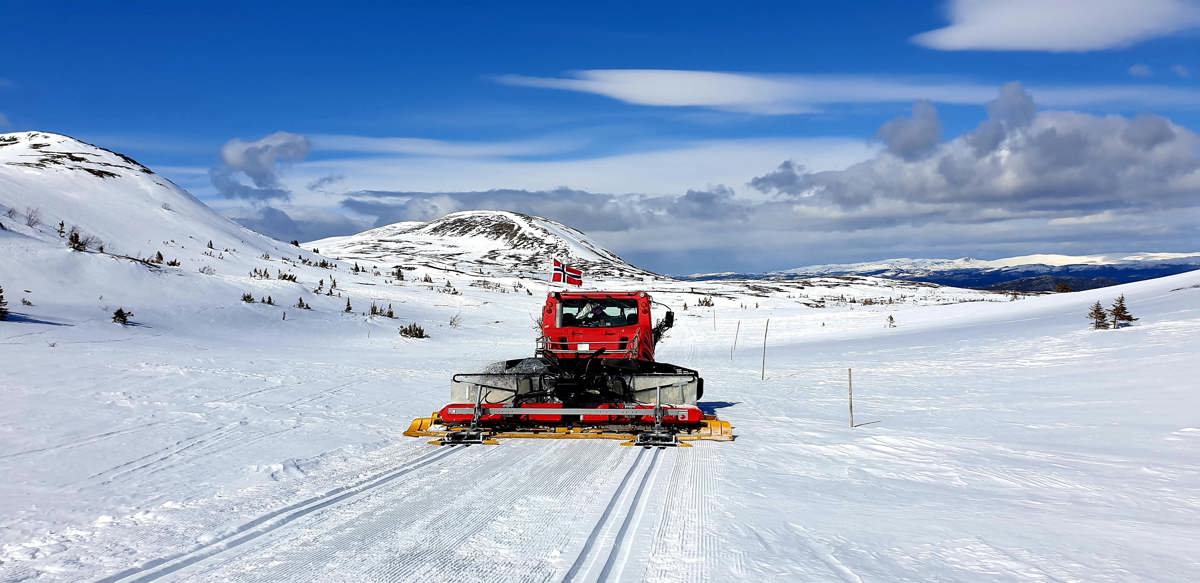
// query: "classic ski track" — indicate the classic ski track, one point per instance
point(615, 521)
point(271, 521)
point(162, 455)
point(80, 442)
point(483, 519)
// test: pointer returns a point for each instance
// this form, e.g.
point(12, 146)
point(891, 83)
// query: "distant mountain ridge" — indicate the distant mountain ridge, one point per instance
point(1023, 273)
point(489, 241)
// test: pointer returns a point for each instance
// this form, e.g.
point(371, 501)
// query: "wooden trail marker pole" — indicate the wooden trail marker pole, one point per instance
point(850, 387)
point(735, 337)
point(764, 360)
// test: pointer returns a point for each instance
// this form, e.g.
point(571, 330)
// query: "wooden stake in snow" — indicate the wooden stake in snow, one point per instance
point(850, 387)
point(735, 337)
point(764, 362)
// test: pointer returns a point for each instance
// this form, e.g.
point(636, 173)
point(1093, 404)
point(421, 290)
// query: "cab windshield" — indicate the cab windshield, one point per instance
point(597, 313)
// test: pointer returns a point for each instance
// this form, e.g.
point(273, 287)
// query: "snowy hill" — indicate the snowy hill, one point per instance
point(108, 196)
point(493, 241)
point(1025, 273)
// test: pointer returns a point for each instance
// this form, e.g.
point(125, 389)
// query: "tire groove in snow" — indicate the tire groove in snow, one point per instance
point(269, 522)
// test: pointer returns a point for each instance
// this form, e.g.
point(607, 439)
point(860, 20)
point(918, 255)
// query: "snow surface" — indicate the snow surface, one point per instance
point(216, 441)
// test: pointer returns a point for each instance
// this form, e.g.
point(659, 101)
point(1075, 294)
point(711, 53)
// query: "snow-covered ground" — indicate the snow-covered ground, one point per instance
point(215, 440)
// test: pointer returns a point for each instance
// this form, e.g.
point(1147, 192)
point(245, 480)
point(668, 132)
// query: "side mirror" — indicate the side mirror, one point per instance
point(669, 319)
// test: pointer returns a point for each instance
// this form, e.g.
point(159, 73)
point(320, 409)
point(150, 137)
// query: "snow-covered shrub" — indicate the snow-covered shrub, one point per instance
point(413, 330)
point(456, 320)
point(121, 316)
point(3, 305)
point(207, 270)
point(249, 299)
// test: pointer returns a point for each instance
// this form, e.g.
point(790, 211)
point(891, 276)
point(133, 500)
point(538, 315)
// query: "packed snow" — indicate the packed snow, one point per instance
point(997, 438)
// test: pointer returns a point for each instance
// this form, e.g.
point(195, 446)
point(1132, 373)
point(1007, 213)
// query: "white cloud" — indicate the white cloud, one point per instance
point(4, 121)
point(1140, 70)
point(1058, 25)
point(260, 161)
point(1100, 217)
point(788, 94)
point(1181, 71)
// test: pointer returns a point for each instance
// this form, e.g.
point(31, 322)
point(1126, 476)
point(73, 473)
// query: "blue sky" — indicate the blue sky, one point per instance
point(628, 105)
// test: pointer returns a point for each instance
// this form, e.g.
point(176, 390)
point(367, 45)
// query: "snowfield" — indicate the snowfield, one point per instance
point(214, 440)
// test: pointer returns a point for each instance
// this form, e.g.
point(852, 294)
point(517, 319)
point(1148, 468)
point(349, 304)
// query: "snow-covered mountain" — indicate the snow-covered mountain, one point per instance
point(1024, 273)
point(491, 241)
point(47, 179)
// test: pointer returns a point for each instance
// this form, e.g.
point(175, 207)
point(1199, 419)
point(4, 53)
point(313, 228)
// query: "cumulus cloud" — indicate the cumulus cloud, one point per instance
point(1049, 165)
point(912, 137)
point(1059, 25)
point(1140, 70)
point(312, 225)
point(259, 161)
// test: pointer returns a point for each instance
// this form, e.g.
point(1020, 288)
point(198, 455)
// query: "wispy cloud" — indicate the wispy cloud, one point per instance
point(427, 147)
point(1058, 25)
point(4, 123)
point(1181, 71)
point(770, 94)
point(1140, 70)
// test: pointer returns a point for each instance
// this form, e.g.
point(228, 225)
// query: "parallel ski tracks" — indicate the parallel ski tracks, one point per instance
point(610, 542)
point(273, 521)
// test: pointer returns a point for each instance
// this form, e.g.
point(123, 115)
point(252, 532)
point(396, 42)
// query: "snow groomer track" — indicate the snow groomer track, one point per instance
point(517, 512)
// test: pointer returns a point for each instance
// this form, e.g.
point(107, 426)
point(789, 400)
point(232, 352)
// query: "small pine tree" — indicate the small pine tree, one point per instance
point(891, 321)
point(270, 301)
point(3, 305)
point(1098, 316)
point(413, 330)
point(295, 243)
point(121, 316)
point(249, 299)
point(210, 245)
point(1119, 314)
point(158, 257)
point(62, 228)
point(348, 308)
point(390, 313)
point(399, 274)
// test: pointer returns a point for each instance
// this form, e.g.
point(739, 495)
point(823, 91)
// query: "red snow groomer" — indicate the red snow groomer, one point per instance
point(593, 376)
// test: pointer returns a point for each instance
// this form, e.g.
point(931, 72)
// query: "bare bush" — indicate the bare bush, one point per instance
point(33, 217)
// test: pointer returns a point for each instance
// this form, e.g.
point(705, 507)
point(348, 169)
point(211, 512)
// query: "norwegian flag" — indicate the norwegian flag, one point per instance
point(564, 273)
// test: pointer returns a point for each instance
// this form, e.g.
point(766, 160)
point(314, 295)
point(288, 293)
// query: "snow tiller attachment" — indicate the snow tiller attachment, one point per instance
point(593, 377)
